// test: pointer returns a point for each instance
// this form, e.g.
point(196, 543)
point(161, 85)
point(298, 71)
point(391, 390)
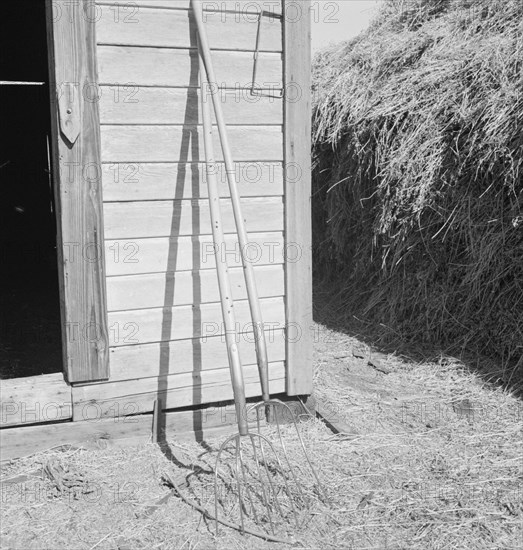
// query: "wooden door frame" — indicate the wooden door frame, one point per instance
point(298, 225)
point(76, 167)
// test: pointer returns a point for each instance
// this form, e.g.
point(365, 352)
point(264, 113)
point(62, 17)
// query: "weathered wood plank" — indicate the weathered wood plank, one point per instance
point(194, 355)
point(144, 105)
point(128, 220)
point(103, 433)
point(45, 398)
point(118, 399)
point(176, 29)
point(183, 322)
point(246, 8)
point(133, 256)
point(157, 181)
point(76, 147)
point(27, 440)
point(122, 65)
point(297, 199)
point(179, 144)
point(186, 287)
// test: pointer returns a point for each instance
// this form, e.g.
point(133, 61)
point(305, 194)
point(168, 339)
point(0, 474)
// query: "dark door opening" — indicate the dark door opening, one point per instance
point(30, 335)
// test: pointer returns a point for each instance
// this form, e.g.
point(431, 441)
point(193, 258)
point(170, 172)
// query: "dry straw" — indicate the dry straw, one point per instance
point(419, 474)
point(418, 155)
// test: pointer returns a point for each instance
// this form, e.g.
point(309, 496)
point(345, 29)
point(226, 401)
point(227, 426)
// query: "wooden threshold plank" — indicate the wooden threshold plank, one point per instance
point(35, 399)
point(215, 420)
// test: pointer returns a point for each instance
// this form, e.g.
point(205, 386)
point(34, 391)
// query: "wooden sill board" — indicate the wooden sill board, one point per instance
point(214, 421)
point(34, 399)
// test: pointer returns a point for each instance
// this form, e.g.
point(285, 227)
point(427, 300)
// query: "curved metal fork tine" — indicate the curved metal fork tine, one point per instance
point(238, 482)
point(287, 488)
point(285, 499)
point(277, 402)
point(269, 478)
point(267, 504)
point(289, 465)
point(223, 446)
point(247, 485)
point(319, 485)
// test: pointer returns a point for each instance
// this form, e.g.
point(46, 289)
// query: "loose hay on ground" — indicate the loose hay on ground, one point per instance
point(419, 475)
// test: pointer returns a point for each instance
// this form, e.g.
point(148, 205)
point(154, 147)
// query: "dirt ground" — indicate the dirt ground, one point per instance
point(430, 457)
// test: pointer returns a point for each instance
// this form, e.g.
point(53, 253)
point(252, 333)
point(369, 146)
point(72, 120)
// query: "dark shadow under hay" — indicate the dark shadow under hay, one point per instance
point(330, 312)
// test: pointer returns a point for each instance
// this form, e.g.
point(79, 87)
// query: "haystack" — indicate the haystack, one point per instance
point(418, 174)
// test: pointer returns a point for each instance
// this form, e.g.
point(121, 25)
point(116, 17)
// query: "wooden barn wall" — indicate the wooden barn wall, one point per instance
point(164, 314)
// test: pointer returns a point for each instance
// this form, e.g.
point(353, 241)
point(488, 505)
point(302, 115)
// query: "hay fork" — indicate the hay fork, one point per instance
point(266, 489)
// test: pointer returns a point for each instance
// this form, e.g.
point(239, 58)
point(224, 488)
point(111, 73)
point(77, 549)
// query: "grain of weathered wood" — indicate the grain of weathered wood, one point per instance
point(76, 169)
point(186, 287)
point(176, 29)
point(179, 390)
point(182, 322)
point(177, 143)
point(26, 440)
point(159, 255)
point(120, 65)
point(144, 105)
point(128, 220)
point(193, 355)
point(249, 9)
point(165, 181)
point(102, 433)
point(297, 199)
point(31, 400)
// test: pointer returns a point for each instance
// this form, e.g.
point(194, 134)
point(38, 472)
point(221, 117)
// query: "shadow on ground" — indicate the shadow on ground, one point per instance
point(330, 311)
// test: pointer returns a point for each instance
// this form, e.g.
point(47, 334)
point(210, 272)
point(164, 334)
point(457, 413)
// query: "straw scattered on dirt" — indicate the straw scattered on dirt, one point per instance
point(436, 464)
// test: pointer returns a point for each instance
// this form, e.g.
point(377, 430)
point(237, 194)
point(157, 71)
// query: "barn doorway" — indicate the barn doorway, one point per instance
point(30, 333)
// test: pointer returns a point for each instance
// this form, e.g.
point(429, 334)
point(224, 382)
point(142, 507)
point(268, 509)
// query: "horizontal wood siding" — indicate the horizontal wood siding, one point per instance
point(180, 390)
point(159, 218)
point(165, 322)
point(176, 29)
point(129, 65)
point(160, 255)
point(166, 181)
point(149, 290)
point(244, 8)
point(181, 322)
point(134, 104)
point(170, 143)
point(197, 354)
